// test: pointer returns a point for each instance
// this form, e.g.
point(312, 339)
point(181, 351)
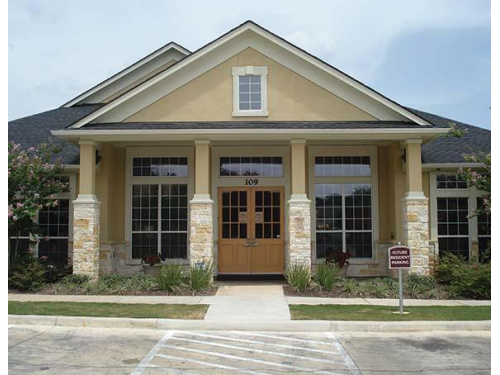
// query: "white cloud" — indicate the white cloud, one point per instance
point(58, 49)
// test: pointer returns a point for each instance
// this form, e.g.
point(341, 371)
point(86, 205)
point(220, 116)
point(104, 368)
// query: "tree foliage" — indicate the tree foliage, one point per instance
point(33, 184)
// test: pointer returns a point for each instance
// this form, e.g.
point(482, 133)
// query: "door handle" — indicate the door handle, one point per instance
point(248, 244)
point(254, 243)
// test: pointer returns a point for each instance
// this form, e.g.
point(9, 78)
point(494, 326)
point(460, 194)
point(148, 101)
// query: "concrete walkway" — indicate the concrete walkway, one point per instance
point(255, 294)
point(248, 303)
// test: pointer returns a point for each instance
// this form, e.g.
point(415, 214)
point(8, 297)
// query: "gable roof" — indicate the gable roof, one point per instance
point(33, 130)
point(358, 89)
point(126, 71)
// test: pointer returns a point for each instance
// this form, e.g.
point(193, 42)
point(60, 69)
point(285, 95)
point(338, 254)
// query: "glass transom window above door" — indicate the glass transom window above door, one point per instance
point(265, 166)
point(159, 220)
point(344, 219)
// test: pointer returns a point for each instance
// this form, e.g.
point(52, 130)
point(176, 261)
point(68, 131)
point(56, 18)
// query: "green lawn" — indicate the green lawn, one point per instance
point(115, 310)
point(384, 313)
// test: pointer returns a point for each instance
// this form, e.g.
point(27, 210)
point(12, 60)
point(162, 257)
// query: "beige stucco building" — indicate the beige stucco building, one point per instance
point(252, 153)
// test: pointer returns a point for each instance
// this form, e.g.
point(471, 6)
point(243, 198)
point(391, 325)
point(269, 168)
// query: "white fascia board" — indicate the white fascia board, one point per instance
point(349, 82)
point(152, 135)
point(180, 52)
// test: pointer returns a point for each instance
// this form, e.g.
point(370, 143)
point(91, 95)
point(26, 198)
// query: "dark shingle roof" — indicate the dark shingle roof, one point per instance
point(451, 150)
point(34, 130)
point(230, 125)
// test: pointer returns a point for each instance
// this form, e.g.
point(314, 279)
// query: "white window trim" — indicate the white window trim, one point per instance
point(471, 193)
point(154, 152)
point(249, 70)
point(370, 151)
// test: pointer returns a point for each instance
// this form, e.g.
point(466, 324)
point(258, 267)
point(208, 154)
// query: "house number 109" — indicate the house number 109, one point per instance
point(251, 181)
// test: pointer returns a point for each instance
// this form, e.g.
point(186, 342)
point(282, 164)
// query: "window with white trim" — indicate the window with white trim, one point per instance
point(343, 184)
point(344, 219)
point(483, 231)
point(452, 223)
point(159, 220)
point(262, 166)
point(453, 226)
point(250, 91)
point(54, 224)
point(158, 196)
point(450, 181)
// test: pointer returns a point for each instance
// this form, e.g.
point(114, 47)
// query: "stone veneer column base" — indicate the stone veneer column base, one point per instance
point(299, 229)
point(416, 232)
point(86, 211)
point(201, 230)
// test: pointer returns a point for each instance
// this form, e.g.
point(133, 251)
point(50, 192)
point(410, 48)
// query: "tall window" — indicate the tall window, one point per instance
point(344, 219)
point(159, 220)
point(483, 231)
point(250, 91)
point(453, 226)
point(158, 204)
point(54, 223)
point(452, 202)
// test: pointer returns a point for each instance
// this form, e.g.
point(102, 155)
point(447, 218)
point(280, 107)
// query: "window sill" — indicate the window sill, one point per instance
point(250, 114)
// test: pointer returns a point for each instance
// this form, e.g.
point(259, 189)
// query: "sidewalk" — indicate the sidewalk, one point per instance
point(235, 294)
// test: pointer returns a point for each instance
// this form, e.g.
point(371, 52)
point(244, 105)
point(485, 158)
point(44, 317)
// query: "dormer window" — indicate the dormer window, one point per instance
point(250, 91)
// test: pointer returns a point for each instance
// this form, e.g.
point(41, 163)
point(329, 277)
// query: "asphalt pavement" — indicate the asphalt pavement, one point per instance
point(63, 350)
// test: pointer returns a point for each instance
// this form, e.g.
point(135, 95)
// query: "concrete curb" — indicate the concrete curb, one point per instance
point(284, 326)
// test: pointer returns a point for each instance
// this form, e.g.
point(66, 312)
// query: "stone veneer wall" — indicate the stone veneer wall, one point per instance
point(201, 233)
point(299, 243)
point(416, 233)
point(86, 237)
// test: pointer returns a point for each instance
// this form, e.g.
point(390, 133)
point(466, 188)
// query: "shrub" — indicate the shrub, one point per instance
point(298, 276)
point(170, 277)
point(201, 276)
point(416, 285)
point(326, 275)
point(350, 285)
point(55, 273)
point(72, 283)
point(467, 279)
point(140, 282)
point(27, 273)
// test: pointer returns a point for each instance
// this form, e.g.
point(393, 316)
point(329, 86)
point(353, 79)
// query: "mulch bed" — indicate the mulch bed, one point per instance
point(339, 292)
point(49, 289)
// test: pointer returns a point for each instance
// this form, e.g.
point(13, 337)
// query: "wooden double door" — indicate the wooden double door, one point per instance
point(251, 230)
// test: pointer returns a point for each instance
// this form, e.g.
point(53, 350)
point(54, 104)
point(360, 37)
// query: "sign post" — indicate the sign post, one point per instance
point(400, 259)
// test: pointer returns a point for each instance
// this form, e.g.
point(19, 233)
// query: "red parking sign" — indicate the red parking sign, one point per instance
point(399, 257)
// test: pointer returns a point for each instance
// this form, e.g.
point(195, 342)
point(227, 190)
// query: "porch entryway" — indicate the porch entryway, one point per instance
point(251, 239)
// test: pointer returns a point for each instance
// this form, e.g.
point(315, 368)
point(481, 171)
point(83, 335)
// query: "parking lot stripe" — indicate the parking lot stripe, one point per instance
point(285, 338)
point(254, 350)
point(347, 358)
point(229, 356)
point(145, 363)
point(216, 365)
point(255, 342)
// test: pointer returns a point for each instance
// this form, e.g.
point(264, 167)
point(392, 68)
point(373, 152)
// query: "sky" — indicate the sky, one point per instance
point(433, 55)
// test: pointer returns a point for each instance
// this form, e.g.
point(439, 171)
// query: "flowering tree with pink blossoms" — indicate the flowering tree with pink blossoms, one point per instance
point(33, 184)
point(480, 180)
